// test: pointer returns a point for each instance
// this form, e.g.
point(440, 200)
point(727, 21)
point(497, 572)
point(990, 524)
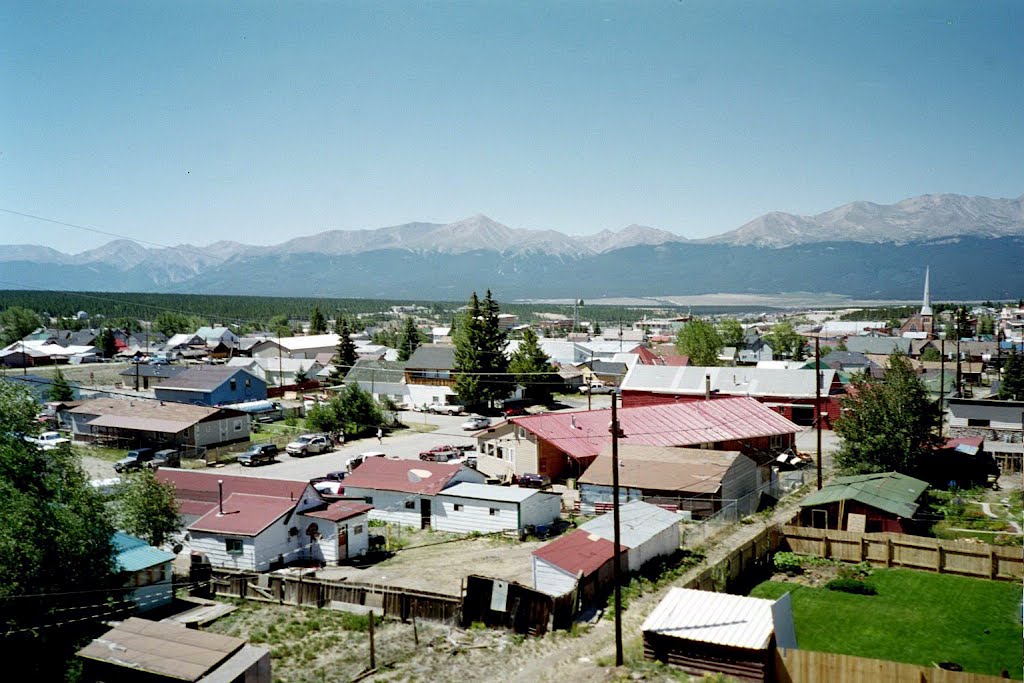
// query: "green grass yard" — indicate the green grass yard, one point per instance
point(917, 617)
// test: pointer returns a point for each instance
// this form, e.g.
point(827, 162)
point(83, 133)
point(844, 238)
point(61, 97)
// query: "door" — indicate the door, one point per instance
point(342, 542)
point(424, 513)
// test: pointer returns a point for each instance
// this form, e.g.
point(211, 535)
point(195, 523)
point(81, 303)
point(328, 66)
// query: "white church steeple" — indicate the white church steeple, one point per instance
point(926, 305)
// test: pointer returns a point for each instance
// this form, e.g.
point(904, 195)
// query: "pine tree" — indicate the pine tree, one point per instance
point(469, 343)
point(60, 390)
point(301, 375)
point(345, 355)
point(1012, 387)
point(317, 322)
point(498, 385)
point(106, 343)
point(533, 369)
point(408, 340)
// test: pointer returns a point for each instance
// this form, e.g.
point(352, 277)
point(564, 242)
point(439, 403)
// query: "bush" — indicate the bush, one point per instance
point(788, 562)
point(851, 586)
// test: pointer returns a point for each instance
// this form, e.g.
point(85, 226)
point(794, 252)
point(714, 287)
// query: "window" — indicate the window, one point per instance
point(369, 500)
point(710, 446)
point(775, 441)
point(458, 507)
point(233, 384)
point(238, 425)
point(977, 422)
point(233, 546)
point(357, 529)
point(410, 505)
point(493, 511)
point(248, 382)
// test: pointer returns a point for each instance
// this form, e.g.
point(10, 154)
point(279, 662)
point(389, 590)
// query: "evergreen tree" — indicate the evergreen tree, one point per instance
point(497, 385)
point(963, 324)
point(317, 322)
point(408, 340)
point(106, 343)
point(533, 369)
point(931, 355)
point(60, 390)
point(17, 323)
point(888, 425)
point(1012, 387)
point(345, 354)
point(301, 375)
point(469, 343)
point(699, 340)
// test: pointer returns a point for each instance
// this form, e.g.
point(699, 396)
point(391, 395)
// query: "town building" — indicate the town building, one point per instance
point(482, 508)
point(212, 385)
point(130, 423)
point(146, 571)
point(886, 501)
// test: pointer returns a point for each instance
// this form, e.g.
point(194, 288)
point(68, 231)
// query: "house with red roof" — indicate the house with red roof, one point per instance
point(404, 491)
point(579, 559)
point(260, 524)
point(562, 445)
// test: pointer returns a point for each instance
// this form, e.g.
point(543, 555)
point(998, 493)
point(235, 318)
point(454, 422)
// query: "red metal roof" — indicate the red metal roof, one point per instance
point(197, 492)
point(647, 357)
point(585, 434)
point(407, 476)
point(244, 515)
point(341, 510)
point(580, 551)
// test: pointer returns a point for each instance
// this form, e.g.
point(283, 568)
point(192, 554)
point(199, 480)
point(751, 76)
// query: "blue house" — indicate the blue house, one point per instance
point(211, 386)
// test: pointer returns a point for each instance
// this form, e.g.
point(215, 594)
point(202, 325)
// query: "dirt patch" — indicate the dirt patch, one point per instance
point(438, 562)
point(815, 577)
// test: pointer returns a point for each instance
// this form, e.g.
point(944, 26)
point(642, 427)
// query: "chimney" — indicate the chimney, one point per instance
point(707, 387)
point(220, 497)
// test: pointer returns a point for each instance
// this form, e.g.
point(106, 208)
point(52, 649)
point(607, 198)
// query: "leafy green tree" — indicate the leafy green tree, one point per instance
point(17, 323)
point(824, 350)
point(987, 325)
point(480, 361)
point(55, 542)
point(280, 326)
point(386, 336)
point(841, 345)
point(408, 339)
point(699, 340)
point(931, 355)
point(887, 425)
point(60, 390)
point(317, 322)
point(352, 410)
point(146, 507)
point(731, 332)
point(170, 323)
point(1012, 387)
point(106, 343)
point(785, 341)
point(345, 354)
point(533, 369)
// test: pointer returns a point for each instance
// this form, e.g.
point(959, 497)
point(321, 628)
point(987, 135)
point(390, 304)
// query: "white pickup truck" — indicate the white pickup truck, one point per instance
point(48, 440)
point(598, 387)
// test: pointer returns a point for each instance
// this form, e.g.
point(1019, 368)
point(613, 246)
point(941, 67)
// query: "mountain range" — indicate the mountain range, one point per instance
point(862, 249)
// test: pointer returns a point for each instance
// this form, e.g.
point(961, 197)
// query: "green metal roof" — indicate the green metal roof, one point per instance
point(888, 491)
point(134, 554)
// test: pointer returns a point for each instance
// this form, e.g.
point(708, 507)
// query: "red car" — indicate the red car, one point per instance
point(513, 412)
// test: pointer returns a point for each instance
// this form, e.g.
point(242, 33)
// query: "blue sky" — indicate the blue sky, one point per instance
point(259, 121)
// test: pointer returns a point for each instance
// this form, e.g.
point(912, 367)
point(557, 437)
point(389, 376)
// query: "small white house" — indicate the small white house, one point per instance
point(338, 532)
point(648, 531)
point(405, 491)
point(467, 508)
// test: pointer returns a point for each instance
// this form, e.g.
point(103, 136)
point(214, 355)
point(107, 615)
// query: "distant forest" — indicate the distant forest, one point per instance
point(253, 311)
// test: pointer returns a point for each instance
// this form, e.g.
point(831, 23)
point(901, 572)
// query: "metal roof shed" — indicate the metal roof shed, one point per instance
point(648, 531)
point(886, 499)
point(703, 632)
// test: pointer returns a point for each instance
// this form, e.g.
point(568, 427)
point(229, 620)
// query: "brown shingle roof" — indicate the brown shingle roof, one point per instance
point(690, 470)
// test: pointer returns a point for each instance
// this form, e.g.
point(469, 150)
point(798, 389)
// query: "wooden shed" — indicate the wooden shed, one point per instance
point(885, 501)
point(703, 632)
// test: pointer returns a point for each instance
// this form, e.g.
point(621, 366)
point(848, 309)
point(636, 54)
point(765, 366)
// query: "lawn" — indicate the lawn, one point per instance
point(917, 617)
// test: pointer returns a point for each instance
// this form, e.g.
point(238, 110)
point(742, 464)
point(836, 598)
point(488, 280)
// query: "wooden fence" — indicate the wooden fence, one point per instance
point(744, 564)
point(915, 552)
point(398, 603)
point(806, 666)
point(507, 604)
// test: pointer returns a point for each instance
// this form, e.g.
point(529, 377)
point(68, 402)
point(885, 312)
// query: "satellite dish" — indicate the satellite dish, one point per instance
point(417, 475)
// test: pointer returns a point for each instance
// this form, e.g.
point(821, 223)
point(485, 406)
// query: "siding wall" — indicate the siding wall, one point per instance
point(389, 506)
point(740, 479)
point(257, 552)
point(220, 431)
point(326, 549)
point(520, 452)
point(475, 515)
point(540, 508)
point(662, 544)
point(550, 579)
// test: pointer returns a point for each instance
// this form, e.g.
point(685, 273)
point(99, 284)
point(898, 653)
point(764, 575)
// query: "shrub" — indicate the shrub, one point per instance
point(851, 586)
point(787, 562)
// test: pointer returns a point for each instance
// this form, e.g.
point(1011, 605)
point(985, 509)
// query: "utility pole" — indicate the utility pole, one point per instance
point(817, 398)
point(942, 374)
point(616, 569)
point(959, 376)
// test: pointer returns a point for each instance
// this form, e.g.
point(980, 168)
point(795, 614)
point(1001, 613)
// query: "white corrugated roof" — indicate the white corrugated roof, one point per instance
point(720, 618)
point(638, 522)
point(741, 381)
point(505, 494)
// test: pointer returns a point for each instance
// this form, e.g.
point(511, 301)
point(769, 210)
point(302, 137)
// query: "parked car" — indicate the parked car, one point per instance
point(337, 475)
point(530, 480)
point(135, 460)
point(440, 455)
point(513, 411)
point(167, 457)
point(309, 444)
point(258, 454)
point(356, 460)
point(476, 422)
point(598, 387)
point(48, 440)
point(445, 409)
